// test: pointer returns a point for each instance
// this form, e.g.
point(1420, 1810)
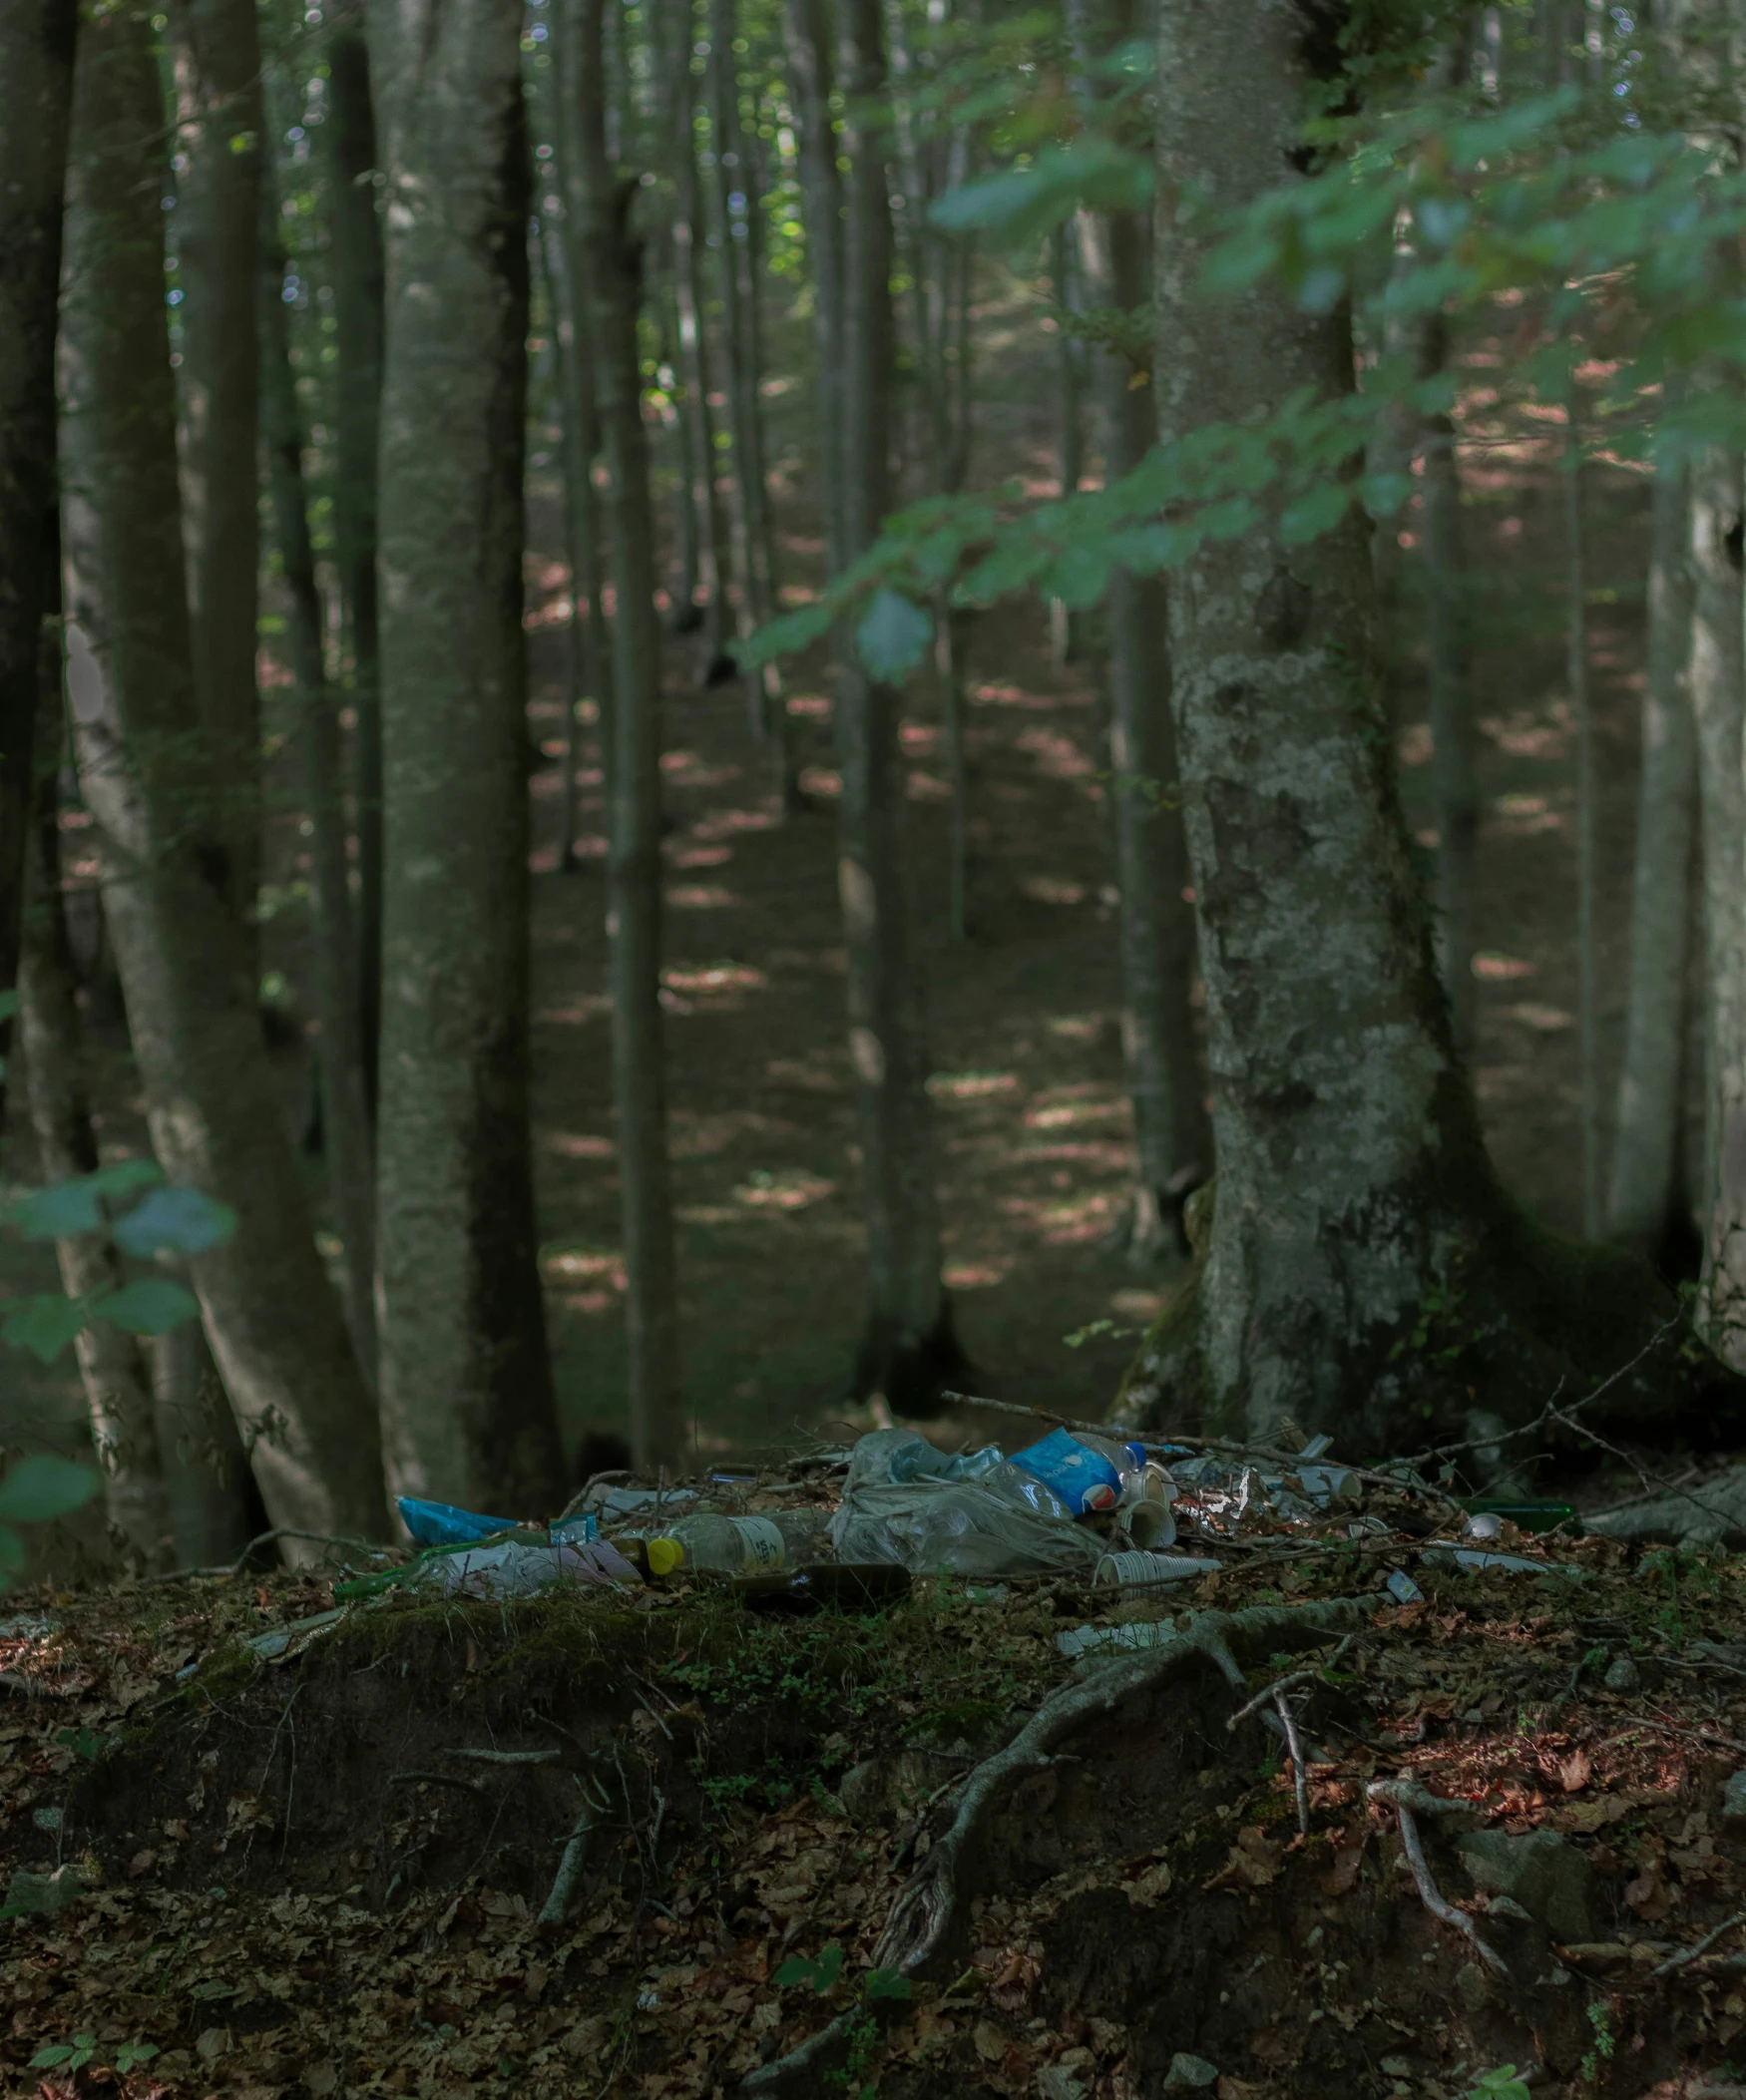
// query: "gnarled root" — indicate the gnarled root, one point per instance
point(926, 1925)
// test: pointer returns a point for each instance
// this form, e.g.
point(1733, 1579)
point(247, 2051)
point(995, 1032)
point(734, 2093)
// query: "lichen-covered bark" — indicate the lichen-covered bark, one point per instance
point(216, 53)
point(36, 89)
point(186, 964)
point(1362, 1270)
point(465, 1383)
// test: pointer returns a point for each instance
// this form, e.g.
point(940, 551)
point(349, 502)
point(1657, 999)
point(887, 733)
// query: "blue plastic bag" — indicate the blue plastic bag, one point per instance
point(918, 1459)
point(1082, 1477)
point(442, 1524)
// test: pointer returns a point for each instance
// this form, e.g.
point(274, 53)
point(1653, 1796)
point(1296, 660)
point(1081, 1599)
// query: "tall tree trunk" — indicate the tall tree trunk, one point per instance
point(1587, 814)
point(1172, 1143)
point(1455, 787)
point(357, 312)
point(715, 549)
point(36, 89)
point(186, 962)
point(612, 274)
point(1648, 1181)
point(811, 73)
point(112, 1365)
point(908, 1349)
point(216, 50)
point(1718, 704)
point(468, 1413)
point(346, 1115)
point(1362, 1268)
point(1063, 624)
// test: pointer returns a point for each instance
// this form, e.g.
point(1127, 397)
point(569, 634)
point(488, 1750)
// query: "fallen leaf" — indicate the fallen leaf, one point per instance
point(1253, 1861)
point(1342, 1874)
point(991, 2043)
point(214, 2044)
point(1575, 1772)
point(1151, 1887)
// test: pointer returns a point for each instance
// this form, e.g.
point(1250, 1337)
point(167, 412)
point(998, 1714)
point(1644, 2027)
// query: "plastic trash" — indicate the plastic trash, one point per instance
point(1086, 1472)
point(733, 1545)
point(918, 1459)
point(1403, 1588)
point(615, 1505)
point(520, 1566)
point(442, 1524)
point(1005, 1522)
point(1144, 1511)
point(1127, 1571)
point(1140, 1633)
point(1444, 1552)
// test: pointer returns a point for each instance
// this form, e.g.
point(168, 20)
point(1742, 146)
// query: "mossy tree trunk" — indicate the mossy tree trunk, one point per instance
point(1363, 1270)
point(466, 1404)
point(186, 962)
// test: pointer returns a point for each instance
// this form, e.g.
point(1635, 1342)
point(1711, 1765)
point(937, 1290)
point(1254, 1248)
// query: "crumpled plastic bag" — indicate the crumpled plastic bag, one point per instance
point(516, 1567)
point(1003, 1522)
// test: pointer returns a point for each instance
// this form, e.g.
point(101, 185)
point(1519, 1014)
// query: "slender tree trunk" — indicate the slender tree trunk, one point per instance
point(468, 1413)
point(1455, 786)
point(36, 89)
point(1063, 625)
point(1718, 703)
point(715, 549)
point(357, 311)
point(1172, 1143)
point(185, 961)
point(1362, 1268)
point(1648, 1181)
point(908, 1349)
point(118, 1385)
point(1583, 709)
point(811, 74)
point(612, 274)
point(346, 1114)
point(216, 50)
point(587, 669)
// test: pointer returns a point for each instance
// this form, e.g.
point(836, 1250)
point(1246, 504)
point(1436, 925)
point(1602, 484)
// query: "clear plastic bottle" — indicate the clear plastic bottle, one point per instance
point(735, 1545)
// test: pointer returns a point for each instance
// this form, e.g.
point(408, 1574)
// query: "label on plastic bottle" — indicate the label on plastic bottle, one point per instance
point(766, 1547)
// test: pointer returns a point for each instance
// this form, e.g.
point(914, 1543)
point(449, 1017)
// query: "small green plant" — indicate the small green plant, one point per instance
point(862, 2030)
point(1600, 2019)
point(1504, 2083)
point(73, 2055)
point(35, 1491)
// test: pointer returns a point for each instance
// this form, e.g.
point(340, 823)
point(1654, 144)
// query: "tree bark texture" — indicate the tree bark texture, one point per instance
point(36, 89)
point(186, 960)
point(1718, 704)
point(1357, 1230)
point(112, 1365)
point(612, 274)
point(217, 51)
point(1648, 1178)
point(908, 1349)
point(468, 1414)
point(812, 71)
point(357, 311)
point(347, 1139)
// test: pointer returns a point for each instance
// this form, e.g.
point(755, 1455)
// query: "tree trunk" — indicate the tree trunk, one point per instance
point(810, 72)
point(185, 961)
point(1362, 1269)
point(468, 1413)
point(1583, 711)
point(1455, 787)
point(216, 50)
point(1648, 1181)
point(1718, 704)
point(1172, 1143)
point(112, 1365)
point(699, 431)
point(612, 276)
point(357, 311)
point(347, 1141)
point(36, 89)
point(908, 1349)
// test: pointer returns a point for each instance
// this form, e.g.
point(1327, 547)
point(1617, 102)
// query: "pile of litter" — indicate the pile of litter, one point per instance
point(1081, 1771)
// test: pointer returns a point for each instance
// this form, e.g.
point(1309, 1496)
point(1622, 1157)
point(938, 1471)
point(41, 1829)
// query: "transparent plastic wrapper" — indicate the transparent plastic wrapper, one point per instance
point(1002, 1522)
point(1085, 1471)
point(516, 1567)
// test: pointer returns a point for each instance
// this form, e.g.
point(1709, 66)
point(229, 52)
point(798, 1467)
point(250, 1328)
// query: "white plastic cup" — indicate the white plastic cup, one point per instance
point(1118, 1570)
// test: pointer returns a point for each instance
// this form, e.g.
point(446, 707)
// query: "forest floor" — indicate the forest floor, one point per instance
point(312, 1867)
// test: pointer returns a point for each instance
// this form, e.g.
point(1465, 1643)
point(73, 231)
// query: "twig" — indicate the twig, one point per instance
point(437, 1779)
point(30, 1687)
point(1288, 1683)
point(1299, 1782)
point(509, 1756)
point(235, 1567)
point(1402, 1795)
point(1703, 1946)
point(654, 1714)
point(1666, 1728)
point(587, 1487)
point(556, 1905)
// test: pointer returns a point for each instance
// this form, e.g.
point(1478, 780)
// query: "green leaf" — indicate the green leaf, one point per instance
point(151, 1305)
point(886, 1984)
point(1024, 204)
point(785, 637)
point(8, 1005)
point(42, 1487)
point(59, 1212)
point(1311, 514)
point(55, 2053)
point(174, 1220)
point(893, 639)
point(84, 1743)
point(45, 1326)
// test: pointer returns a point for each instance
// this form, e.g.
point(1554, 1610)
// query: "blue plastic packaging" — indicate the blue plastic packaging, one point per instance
point(1083, 1479)
point(442, 1524)
point(918, 1459)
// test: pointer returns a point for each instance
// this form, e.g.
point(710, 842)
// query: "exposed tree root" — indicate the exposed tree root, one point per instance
point(1404, 1797)
point(927, 1924)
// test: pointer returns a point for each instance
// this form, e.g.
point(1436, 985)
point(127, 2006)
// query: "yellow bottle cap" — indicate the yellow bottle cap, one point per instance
point(664, 1555)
